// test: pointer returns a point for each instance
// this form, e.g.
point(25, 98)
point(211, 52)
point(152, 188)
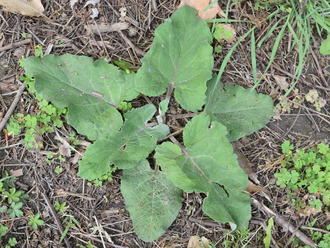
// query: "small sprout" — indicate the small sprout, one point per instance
point(38, 51)
point(35, 221)
point(287, 147)
point(11, 242)
point(15, 210)
point(58, 170)
point(3, 230)
point(61, 207)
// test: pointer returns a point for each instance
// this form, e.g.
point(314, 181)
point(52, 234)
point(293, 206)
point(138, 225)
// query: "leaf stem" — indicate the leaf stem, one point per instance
point(169, 92)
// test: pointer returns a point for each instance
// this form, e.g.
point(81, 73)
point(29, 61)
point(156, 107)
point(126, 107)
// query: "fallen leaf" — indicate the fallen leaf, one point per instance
point(16, 173)
point(308, 211)
point(32, 8)
point(198, 242)
point(281, 81)
point(64, 147)
point(202, 6)
point(224, 32)
point(64, 150)
point(253, 188)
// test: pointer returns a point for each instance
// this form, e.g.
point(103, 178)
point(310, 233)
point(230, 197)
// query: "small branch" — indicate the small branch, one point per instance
point(15, 44)
point(173, 134)
point(57, 220)
point(284, 223)
point(12, 107)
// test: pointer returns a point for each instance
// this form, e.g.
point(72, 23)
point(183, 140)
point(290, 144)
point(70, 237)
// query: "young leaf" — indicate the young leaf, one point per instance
point(181, 57)
point(207, 161)
point(92, 89)
point(151, 199)
point(242, 111)
point(125, 148)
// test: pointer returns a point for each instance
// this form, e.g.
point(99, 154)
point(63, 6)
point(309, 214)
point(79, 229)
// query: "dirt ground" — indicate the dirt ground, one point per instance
point(100, 210)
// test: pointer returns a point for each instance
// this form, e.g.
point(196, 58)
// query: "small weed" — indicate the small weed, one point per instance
point(88, 245)
point(11, 203)
point(58, 170)
point(69, 222)
point(306, 171)
point(61, 207)
point(3, 230)
point(105, 178)
point(11, 242)
point(11, 199)
point(38, 51)
point(35, 221)
point(237, 240)
point(321, 239)
point(73, 140)
point(45, 117)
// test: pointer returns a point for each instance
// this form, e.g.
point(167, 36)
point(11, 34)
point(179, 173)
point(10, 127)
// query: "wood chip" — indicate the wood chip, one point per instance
point(16, 173)
point(104, 28)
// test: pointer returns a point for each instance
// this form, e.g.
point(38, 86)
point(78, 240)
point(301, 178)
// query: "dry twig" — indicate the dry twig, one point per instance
point(16, 44)
point(284, 223)
point(12, 107)
point(57, 220)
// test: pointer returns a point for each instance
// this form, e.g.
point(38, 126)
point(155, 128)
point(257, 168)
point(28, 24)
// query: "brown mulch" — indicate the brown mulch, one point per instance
point(100, 210)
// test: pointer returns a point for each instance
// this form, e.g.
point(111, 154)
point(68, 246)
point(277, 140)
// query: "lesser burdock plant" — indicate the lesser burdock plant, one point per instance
point(155, 170)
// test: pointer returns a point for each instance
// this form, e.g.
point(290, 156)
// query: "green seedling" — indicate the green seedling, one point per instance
point(306, 171)
point(204, 162)
point(11, 242)
point(69, 222)
point(88, 245)
point(3, 230)
point(237, 240)
point(46, 117)
point(58, 170)
point(99, 182)
point(38, 51)
point(61, 207)
point(35, 222)
point(267, 239)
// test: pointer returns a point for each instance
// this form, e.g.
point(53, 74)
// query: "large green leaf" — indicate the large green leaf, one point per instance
point(232, 206)
point(180, 56)
point(124, 148)
point(206, 161)
point(242, 111)
point(151, 199)
point(90, 89)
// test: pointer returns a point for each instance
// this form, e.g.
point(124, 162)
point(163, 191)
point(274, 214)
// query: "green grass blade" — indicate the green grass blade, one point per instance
point(253, 57)
point(274, 49)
